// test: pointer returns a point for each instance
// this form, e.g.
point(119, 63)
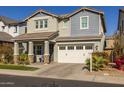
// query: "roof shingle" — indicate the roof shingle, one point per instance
point(7, 20)
point(5, 37)
point(36, 36)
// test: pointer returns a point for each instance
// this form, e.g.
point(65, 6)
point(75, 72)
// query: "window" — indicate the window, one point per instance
point(61, 47)
point(3, 27)
point(79, 47)
point(25, 29)
point(70, 47)
point(84, 22)
point(88, 47)
point(45, 23)
point(38, 50)
point(42, 23)
point(16, 29)
point(36, 22)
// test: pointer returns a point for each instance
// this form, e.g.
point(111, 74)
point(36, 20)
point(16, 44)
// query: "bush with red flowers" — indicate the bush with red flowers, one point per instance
point(119, 62)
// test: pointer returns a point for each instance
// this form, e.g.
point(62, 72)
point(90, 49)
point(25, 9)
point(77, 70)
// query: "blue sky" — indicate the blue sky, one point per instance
point(21, 12)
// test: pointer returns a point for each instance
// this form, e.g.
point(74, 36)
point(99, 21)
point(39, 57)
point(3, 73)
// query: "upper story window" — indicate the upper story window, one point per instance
point(84, 22)
point(3, 27)
point(36, 22)
point(41, 24)
point(45, 23)
point(16, 29)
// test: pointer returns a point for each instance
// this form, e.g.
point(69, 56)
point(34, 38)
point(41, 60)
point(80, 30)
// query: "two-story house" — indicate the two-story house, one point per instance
point(67, 38)
point(10, 28)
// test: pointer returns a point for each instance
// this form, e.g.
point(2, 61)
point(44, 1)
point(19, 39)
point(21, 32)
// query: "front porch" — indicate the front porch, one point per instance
point(39, 49)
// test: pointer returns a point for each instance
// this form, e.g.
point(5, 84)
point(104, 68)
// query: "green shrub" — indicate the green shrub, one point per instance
point(23, 59)
point(98, 63)
point(105, 55)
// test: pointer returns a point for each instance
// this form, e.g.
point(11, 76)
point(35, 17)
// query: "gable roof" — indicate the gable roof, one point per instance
point(5, 37)
point(72, 14)
point(7, 20)
point(85, 9)
point(40, 11)
point(90, 10)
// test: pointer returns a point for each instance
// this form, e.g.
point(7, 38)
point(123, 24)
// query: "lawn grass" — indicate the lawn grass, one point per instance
point(17, 67)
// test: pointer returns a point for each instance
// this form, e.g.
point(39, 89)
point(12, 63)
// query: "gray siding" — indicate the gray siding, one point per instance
point(93, 24)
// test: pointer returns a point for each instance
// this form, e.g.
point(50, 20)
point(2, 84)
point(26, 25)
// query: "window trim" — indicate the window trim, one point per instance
point(87, 22)
point(39, 25)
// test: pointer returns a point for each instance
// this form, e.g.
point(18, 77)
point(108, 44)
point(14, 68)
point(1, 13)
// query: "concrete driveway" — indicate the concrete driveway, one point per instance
point(60, 70)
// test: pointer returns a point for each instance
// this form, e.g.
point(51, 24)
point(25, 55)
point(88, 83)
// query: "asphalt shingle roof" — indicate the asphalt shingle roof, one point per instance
point(7, 20)
point(5, 37)
point(36, 36)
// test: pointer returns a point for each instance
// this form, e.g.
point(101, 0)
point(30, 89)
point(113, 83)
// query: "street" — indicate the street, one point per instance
point(24, 81)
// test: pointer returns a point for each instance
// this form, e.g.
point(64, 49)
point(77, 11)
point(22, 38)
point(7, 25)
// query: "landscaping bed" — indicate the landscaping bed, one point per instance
point(17, 67)
point(108, 72)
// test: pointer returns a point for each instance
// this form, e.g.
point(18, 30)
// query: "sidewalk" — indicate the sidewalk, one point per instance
point(84, 76)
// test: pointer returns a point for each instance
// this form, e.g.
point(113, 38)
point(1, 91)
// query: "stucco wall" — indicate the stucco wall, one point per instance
point(64, 31)
point(52, 24)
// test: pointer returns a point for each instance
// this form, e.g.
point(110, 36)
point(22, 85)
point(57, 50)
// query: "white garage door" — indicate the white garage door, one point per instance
point(74, 53)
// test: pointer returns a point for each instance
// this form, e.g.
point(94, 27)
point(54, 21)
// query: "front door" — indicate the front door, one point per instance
point(38, 53)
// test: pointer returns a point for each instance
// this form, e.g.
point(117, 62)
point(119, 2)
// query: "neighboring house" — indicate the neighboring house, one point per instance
point(67, 38)
point(109, 44)
point(5, 38)
point(9, 26)
point(120, 33)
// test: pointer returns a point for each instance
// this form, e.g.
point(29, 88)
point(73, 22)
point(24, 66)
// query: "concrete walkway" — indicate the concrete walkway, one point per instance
point(65, 71)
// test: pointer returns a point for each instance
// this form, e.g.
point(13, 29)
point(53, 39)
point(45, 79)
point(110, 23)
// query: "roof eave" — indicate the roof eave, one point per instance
point(40, 11)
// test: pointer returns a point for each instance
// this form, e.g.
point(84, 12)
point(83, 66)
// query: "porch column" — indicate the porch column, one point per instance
point(30, 52)
point(16, 52)
point(46, 52)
